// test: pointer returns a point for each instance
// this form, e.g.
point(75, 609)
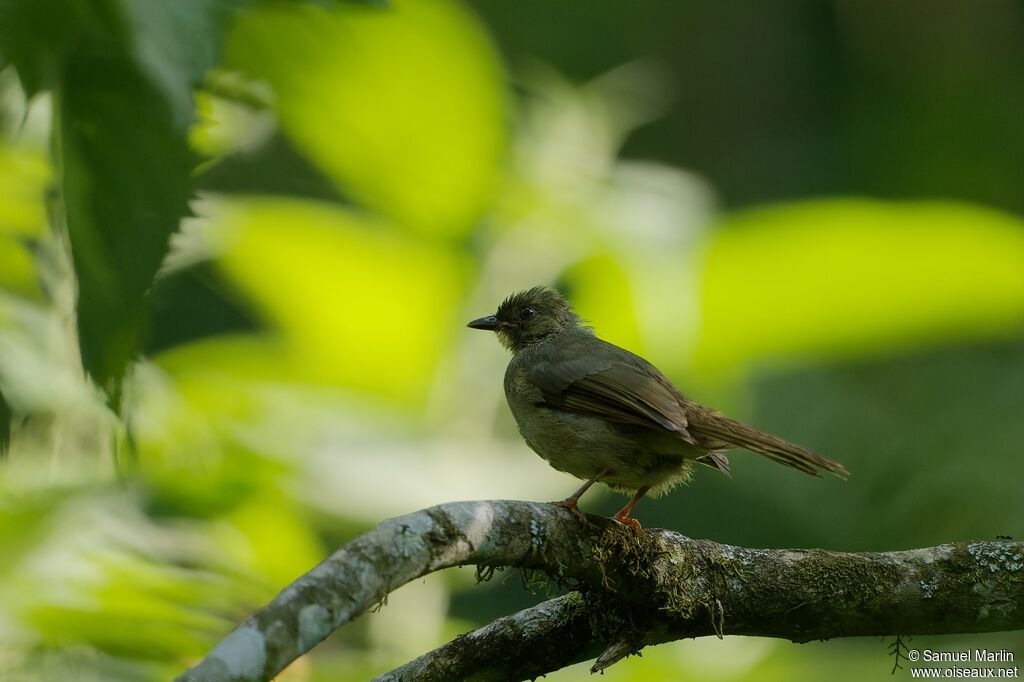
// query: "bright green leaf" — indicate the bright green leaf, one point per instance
point(600, 289)
point(403, 107)
point(855, 277)
point(360, 305)
point(269, 525)
point(5, 424)
point(24, 177)
point(17, 268)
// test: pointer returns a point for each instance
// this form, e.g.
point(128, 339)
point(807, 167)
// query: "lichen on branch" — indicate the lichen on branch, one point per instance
point(633, 589)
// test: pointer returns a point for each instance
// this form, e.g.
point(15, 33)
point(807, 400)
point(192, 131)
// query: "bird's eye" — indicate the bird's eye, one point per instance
point(526, 313)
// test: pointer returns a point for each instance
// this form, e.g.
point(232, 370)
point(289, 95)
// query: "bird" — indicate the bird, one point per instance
point(604, 414)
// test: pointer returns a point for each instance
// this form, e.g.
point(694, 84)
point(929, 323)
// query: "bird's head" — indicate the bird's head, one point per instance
point(529, 316)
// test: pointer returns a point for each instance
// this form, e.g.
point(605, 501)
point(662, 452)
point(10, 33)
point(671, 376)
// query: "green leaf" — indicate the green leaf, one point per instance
point(126, 183)
point(403, 108)
point(856, 277)
point(24, 176)
point(335, 284)
point(123, 73)
point(174, 43)
point(5, 424)
point(33, 36)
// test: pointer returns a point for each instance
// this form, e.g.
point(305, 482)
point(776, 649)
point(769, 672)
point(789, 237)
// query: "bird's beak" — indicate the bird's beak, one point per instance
point(489, 323)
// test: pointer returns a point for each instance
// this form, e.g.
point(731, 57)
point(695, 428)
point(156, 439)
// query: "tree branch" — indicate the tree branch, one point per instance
point(636, 589)
point(530, 643)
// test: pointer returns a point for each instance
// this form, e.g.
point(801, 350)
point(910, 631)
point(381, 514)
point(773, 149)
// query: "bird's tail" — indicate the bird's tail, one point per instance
point(738, 434)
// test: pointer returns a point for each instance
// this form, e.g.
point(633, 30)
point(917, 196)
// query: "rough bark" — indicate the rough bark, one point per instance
point(634, 589)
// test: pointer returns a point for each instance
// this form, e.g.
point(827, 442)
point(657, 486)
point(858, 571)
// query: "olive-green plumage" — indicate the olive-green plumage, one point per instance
point(601, 413)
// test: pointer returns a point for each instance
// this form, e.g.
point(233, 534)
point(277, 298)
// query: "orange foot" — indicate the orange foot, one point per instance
point(627, 520)
point(570, 505)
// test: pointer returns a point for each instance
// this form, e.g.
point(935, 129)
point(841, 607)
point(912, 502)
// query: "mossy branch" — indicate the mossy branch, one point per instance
point(634, 589)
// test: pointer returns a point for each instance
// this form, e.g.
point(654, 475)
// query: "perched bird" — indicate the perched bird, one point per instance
point(603, 414)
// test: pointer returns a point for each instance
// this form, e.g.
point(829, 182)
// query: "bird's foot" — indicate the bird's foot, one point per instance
point(570, 505)
point(622, 516)
point(627, 521)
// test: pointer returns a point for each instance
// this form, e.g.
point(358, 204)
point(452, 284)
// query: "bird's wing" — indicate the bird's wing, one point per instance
point(616, 389)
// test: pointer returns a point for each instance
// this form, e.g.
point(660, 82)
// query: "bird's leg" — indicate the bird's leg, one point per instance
point(622, 516)
point(570, 502)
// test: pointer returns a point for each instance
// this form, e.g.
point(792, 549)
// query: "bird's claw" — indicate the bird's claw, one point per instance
point(570, 506)
point(627, 521)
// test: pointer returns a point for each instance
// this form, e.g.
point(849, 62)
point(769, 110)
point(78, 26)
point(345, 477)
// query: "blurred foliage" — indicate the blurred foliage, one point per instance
point(233, 283)
point(352, 276)
point(23, 175)
point(423, 151)
point(122, 75)
point(852, 277)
